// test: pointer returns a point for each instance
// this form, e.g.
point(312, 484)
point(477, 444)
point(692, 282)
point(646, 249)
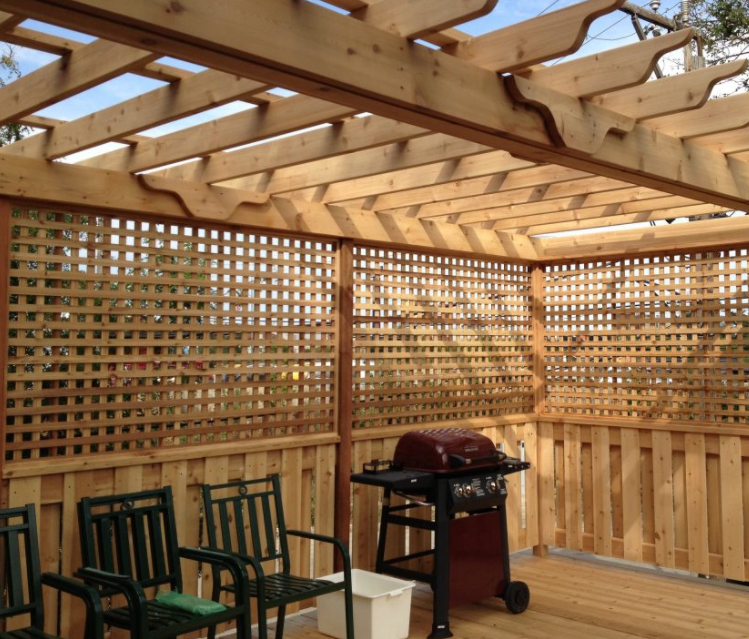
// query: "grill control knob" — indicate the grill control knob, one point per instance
point(459, 491)
point(468, 489)
point(492, 486)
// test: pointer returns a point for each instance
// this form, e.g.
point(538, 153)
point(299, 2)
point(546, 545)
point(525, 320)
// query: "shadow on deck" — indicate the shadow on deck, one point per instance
point(579, 597)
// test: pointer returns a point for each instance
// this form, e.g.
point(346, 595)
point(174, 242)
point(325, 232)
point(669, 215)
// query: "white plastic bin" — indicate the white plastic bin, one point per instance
point(382, 607)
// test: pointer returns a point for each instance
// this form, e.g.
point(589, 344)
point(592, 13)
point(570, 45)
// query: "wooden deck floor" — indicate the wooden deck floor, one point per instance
point(578, 598)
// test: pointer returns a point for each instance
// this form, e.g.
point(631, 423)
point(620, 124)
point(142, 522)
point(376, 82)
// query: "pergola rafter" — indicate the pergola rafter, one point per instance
point(589, 142)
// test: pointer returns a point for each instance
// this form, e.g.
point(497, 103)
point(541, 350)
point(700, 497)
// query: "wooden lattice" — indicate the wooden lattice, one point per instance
point(439, 338)
point(658, 337)
point(130, 334)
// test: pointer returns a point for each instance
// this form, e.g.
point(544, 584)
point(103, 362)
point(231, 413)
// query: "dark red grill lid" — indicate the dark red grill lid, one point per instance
point(445, 450)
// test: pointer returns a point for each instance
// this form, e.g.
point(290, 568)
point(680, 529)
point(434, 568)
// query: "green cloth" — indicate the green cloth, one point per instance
point(189, 603)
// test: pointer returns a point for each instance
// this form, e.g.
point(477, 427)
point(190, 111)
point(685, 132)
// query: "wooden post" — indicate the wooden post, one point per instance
point(5, 226)
point(539, 375)
point(344, 405)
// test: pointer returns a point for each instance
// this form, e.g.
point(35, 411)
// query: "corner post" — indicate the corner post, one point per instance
point(539, 373)
point(344, 391)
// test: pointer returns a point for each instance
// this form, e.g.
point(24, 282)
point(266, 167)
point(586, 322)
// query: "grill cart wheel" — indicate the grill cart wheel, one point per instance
point(517, 597)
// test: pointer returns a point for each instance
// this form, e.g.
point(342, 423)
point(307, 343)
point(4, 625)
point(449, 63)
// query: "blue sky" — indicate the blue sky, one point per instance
point(610, 31)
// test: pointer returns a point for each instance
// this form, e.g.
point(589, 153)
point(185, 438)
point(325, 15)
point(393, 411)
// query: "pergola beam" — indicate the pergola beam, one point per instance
point(392, 157)
point(609, 70)
point(284, 116)
point(82, 69)
point(414, 19)
point(486, 173)
point(9, 21)
point(55, 45)
point(517, 215)
point(717, 116)
point(75, 186)
point(669, 95)
point(675, 237)
point(322, 53)
point(338, 139)
point(533, 41)
point(200, 92)
point(462, 203)
point(459, 168)
point(532, 224)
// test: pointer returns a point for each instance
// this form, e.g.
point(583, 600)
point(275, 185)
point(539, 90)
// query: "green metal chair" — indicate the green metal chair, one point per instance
point(245, 518)
point(21, 580)
point(129, 547)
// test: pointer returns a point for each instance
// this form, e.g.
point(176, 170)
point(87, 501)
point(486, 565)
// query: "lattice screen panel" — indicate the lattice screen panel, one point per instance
point(658, 337)
point(127, 334)
point(439, 338)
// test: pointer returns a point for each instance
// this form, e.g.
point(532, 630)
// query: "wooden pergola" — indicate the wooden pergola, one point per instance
point(411, 187)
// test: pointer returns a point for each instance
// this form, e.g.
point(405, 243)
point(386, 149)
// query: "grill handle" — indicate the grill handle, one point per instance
point(458, 461)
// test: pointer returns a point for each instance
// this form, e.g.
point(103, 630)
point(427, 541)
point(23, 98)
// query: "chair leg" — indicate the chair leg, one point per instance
point(280, 621)
point(262, 621)
point(217, 597)
point(349, 603)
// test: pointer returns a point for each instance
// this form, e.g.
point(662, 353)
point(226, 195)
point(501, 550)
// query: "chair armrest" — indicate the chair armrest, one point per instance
point(89, 595)
point(328, 540)
point(132, 590)
point(222, 560)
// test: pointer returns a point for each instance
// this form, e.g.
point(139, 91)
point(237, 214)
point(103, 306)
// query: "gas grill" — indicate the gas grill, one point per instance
point(462, 475)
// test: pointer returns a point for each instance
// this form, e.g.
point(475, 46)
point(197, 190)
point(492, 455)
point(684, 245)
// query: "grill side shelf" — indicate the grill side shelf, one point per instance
point(401, 480)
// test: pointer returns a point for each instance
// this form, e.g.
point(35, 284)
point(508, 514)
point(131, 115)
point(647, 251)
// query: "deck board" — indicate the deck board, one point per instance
point(580, 597)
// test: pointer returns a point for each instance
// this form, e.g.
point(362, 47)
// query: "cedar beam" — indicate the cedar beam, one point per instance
point(66, 185)
point(393, 157)
point(284, 116)
point(533, 41)
point(341, 138)
point(55, 45)
point(200, 92)
point(418, 18)
point(669, 95)
point(322, 53)
point(8, 21)
point(609, 70)
point(82, 69)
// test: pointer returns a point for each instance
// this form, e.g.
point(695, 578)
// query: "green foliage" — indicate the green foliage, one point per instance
point(724, 26)
point(9, 70)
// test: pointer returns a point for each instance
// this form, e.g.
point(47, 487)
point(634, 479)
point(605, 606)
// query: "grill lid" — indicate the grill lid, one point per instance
point(445, 450)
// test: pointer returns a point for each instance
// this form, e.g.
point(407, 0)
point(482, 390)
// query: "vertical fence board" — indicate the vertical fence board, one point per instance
point(560, 464)
point(395, 546)
point(573, 487)
point(292, 480)
point(546, 491)
point(514, 506)
point(648, 497)
point(631, 494)
point(586, 458)
point(364, 512)
point(530, 439)
point(617, 507)
point(696, 467)
point(681, 526)
point(713, 494)
point(602, 491)
point(732, 508)
point(663, 500)
point(324, 515)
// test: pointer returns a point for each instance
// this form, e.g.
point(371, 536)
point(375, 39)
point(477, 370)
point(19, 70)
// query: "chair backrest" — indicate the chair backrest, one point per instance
point(133, 535)
point(246, 517)
point(20, 569)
